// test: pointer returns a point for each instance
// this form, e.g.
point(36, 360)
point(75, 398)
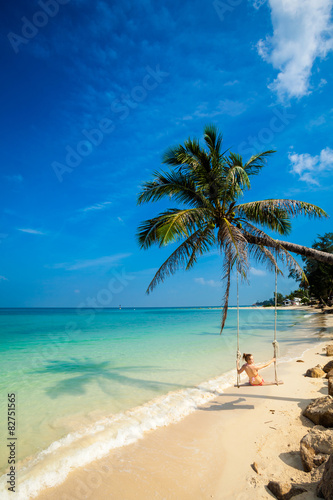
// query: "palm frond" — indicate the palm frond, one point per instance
point(236, 181)
point(262, 255)
point(257, 162)
point(184, 256)
point(227, 277)
point(232, 241)
point(213, 140)
point(267, 214)
point(205, 240)
point(291, 207)
point(171, 225)
point(175, 185)
point(281, 252)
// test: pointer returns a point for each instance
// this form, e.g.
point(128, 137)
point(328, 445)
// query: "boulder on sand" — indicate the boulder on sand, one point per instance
point(284, 491)
point(328, 367)
point(329, 374)
point(316, 447)
point(325, 486)
point(330, 386)
point(316, 372)
point(320, 411)
point(329, 350)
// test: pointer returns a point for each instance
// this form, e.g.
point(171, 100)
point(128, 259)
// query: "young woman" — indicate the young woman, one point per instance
point(252, 370)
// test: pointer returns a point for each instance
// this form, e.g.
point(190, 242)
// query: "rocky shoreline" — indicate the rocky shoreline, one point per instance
point(316, 447)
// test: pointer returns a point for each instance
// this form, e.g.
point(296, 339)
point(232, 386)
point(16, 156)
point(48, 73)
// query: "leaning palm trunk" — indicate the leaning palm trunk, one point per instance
point(310, 253)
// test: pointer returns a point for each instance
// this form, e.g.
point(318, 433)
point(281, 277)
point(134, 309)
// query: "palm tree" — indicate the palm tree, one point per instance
point(208, 183)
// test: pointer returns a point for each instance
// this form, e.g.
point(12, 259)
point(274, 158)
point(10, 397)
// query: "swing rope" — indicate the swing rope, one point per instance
point(275, 342)
point(239, 355)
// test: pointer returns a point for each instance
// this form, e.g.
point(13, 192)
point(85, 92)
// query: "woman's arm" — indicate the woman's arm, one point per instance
point(266, 364)
point(240, 370)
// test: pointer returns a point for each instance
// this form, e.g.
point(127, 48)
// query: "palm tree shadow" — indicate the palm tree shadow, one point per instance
point(87, 371)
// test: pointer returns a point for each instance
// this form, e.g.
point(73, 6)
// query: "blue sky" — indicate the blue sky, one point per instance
point(92, 95)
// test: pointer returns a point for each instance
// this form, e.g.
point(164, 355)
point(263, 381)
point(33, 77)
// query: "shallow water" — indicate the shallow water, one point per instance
point(75, 376)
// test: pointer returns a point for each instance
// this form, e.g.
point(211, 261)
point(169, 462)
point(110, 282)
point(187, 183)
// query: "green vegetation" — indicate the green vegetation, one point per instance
point(319, 276)
point(208, 183)
point(318, 285)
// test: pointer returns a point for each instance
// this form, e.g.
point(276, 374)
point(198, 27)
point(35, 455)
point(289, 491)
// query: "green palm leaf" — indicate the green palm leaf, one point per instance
point(207, 182)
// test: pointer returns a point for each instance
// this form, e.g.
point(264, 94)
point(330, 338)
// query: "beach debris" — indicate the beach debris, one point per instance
point(300, 361)
point(255, 467)
point(272, 411)
point(316, 372)
point(329, 350)
point(325, 486)
point(284, 491)
point(330, 386)
point(320, 411)
point(328, 367)
point(316, 447)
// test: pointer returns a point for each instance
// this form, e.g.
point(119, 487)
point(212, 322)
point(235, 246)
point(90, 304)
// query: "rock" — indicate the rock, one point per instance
point(330, 386)
point(325, 486)
point(255, 467)
point(315, 447)
point(329, 350)
point(328, 367)
point(284, 491)
point(316, 372)
point(329, 374)
point(320, 412)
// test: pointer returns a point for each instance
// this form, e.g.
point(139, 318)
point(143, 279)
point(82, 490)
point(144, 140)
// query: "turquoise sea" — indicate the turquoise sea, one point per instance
point(87, 381)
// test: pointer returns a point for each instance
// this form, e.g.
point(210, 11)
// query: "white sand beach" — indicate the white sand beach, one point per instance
point(209, 453)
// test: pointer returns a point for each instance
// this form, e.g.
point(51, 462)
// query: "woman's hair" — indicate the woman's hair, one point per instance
point(246, 356)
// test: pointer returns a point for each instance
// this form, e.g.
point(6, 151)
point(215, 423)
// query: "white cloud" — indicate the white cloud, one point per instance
point(311, 168)
point(204, 282)
point(109, 260)
point(98, 206)
point(316, 122)
point(224, 107)
point(231, 83)
point(302, 32)
point(258, 3)
point(3, 278)
point(30, 231)
point(257, 272)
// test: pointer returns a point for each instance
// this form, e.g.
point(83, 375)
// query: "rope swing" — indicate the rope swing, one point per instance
point(239, 355)
point(274, 343)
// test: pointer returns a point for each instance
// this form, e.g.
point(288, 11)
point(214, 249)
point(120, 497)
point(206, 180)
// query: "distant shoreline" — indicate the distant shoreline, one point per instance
point(304, 308)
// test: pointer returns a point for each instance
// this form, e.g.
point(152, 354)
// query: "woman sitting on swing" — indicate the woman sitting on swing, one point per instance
point(252, 370)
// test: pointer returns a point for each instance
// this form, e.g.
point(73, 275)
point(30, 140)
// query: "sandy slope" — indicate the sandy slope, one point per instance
point(209, 453)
